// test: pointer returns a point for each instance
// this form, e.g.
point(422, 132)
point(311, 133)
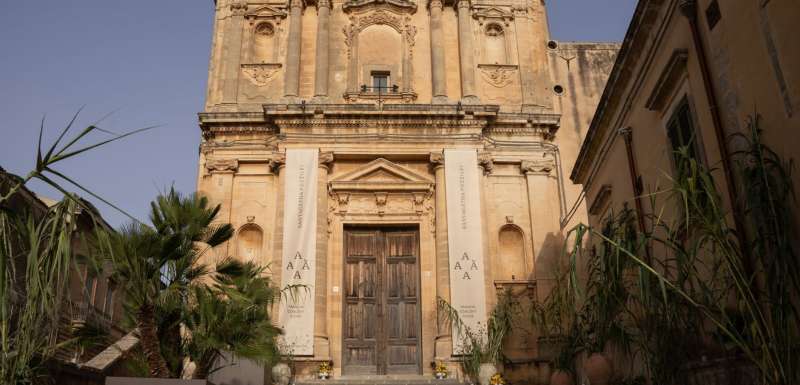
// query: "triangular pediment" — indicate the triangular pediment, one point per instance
point(266, 12)
point(384, 175)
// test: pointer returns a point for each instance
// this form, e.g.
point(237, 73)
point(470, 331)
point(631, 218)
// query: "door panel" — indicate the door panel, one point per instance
point(381, 333)
point(361, 279)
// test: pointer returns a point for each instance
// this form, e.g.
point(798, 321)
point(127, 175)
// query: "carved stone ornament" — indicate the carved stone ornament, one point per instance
point(493, 13)
point(380, 17)
point(396, 5)
point(325, 159)
point(437, 159)
point(498, 75)
point(214, 166)
point(261, 74)
point(276, 161)
point(543, 166)
point(238, 9)
point(486, 162)
point(266, 12)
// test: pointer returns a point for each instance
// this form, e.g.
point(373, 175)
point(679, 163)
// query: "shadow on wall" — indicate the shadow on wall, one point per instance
point(549, 261)
point(239, 371)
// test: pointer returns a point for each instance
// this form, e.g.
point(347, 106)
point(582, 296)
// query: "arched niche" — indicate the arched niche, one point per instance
point(264, 43)
point(495, 50)
point(369, 38)
point(511, 262)
point(380, 49)
point(249, 242)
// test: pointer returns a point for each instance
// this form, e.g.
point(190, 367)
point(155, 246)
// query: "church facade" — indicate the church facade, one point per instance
point(381, 154)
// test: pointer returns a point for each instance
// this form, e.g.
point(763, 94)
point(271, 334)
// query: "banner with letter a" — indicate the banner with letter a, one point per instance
point(465, 240)
point(299, 249)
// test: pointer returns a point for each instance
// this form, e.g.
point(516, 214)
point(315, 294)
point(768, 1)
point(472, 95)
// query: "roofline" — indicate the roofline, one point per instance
point(635, 30)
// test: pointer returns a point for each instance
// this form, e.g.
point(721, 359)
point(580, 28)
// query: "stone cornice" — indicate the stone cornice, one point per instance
point(636, 40)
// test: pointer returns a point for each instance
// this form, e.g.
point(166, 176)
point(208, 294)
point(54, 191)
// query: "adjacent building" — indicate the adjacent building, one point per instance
point(691, 73)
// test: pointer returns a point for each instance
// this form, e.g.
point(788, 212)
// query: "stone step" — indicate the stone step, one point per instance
point(380, 380)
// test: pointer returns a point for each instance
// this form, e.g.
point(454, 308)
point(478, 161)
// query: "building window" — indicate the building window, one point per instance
point(682, 133)
point(380, 80)
point(89, 280)
point(108, 303)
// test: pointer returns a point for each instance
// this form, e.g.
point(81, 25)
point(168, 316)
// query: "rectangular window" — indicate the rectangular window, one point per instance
point(681, 132)
point(108, 303)
point(380, 80)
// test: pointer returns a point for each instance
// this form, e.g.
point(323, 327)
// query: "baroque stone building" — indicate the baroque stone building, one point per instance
point(384, 153)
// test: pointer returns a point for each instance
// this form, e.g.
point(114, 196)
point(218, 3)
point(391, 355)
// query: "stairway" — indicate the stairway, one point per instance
point(381, 380)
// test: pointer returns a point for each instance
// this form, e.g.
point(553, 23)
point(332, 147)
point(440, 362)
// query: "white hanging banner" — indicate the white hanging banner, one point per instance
point(465, 241)
point(299, 249)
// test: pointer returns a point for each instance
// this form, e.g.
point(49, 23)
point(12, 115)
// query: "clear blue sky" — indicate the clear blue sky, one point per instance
point(146, 62)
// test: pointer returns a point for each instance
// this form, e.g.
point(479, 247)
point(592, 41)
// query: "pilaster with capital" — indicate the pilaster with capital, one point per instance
point(292, 81)
point(321, 339)
point(443, 345)
point(323, 51)
point(438, 74)
point(232, 51)
point(542, 194)
point(466, 52)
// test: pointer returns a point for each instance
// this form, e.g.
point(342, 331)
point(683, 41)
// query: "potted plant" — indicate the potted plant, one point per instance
point(440, 370)
point(482, 349)
point(325, 370)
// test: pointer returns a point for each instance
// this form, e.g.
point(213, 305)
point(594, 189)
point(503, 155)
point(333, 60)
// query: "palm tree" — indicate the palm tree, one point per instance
point(158, 267)
point(232, 315)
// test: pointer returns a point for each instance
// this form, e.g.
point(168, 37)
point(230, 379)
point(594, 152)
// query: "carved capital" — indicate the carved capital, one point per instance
point(541, 167)
point(325, 159)
point(297, 4)
point(216, 166)
point(486, 162)
point(238, 9)
point(276, 162)
point(437, 159)
point(435, 4)
point(323, 4)
point(462, 5)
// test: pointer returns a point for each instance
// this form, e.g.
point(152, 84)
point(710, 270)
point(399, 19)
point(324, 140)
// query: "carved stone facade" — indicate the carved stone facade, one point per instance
point(472, 75)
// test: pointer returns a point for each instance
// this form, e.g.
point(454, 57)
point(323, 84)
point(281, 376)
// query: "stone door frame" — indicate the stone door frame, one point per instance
point(354, 200)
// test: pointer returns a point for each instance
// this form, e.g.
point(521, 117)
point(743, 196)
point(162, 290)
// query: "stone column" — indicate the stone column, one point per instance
point(321, 341)
point(438, 74)
point(323, 53)
point(277, 164)
point(444, 342)
point(466, 53)
point(543, 219)
point(232, 46)
point(222, 172)
point(292, 79)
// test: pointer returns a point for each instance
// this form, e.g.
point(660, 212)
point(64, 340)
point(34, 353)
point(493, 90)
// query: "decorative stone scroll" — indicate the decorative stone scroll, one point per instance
point(216, 165)
point(261, 74)
point(498, 75)
point(299, 249)
point(465, 240)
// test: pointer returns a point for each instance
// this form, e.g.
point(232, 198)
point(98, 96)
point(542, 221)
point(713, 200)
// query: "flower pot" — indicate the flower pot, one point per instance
point(598, 369)
point(560, 377)
point(485, 373)
point(281, 374)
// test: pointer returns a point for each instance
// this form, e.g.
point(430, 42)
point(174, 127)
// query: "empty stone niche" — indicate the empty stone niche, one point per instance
point(249, 242)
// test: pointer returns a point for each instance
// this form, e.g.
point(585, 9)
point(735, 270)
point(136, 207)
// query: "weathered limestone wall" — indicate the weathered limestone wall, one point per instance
point(470, 74)
point(486, 53)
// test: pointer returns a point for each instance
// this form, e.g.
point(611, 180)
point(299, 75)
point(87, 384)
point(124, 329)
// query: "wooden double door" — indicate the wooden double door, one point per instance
point(381, 320)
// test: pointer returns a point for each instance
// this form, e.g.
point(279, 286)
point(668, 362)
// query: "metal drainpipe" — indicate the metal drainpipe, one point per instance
point(689, 9)
point(627, 134)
